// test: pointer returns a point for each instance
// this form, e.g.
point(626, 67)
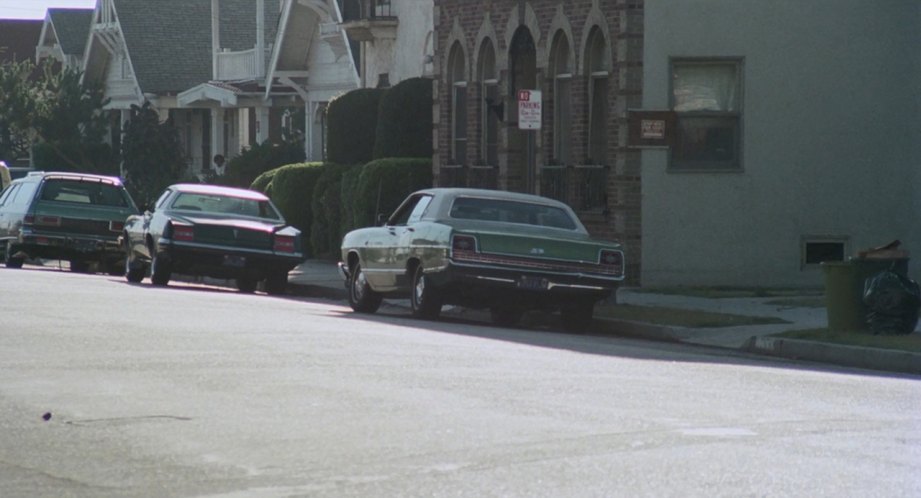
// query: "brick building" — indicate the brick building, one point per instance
point(585, 57)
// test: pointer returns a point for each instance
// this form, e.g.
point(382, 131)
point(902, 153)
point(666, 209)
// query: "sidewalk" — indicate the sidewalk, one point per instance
point(316, 278)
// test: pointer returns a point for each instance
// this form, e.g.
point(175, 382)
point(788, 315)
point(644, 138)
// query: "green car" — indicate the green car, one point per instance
point(499, 250)
point(212, 231)
point(74, 217)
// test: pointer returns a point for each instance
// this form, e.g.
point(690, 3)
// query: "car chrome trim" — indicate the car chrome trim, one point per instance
point(598, 276)
point(496, 279)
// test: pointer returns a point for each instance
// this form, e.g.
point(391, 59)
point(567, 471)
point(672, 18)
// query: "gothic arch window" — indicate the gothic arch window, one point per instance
point(561, 70)
point(597, 74)
point(489, 104)
point(458, 80)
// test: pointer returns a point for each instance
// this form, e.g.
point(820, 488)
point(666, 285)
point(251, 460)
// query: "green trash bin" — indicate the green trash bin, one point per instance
point(844, 285)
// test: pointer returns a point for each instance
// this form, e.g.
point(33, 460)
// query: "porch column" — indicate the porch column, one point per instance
point(217, 135)
point(243, 127)
point(310, 114)
point(262, 124)
point(123, 116)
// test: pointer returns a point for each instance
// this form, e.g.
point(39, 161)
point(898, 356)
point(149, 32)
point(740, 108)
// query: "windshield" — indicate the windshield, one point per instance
point(225, 204)
point(471, 208)
point(80, 192)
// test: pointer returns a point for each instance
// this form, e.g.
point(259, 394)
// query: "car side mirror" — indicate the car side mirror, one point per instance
point(382, 219)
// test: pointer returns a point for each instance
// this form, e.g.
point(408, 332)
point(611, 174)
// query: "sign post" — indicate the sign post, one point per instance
point(529, 120)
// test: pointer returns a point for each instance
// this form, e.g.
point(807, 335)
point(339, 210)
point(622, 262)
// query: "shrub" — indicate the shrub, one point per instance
point(384, 184)
point(404, 120)
point(292, 187)
point(263, 182)
point(351, 124)
point(326, 206)
point(75, 156)
point(242, 170)
point(152, 153)
point(347, 194)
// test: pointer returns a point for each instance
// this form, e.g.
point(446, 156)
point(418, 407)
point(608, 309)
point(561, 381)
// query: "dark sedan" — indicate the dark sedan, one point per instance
point(213, 231)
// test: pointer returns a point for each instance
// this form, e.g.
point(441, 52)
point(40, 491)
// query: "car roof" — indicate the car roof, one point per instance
point(67, 175)
point(493, 194)
point(198, 188)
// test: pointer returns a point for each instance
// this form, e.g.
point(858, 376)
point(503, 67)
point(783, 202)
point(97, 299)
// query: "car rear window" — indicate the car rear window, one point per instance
point(82, 192)
point(224, 204)
point(472, 208)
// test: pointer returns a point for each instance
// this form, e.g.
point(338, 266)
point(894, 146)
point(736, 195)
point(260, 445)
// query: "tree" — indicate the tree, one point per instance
point(41, 104)
point(152, 154)
point(17, 107)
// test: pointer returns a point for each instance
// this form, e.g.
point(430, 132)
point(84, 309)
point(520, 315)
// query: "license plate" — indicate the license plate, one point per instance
point(235, 261)
point(532, 283)
point(83, 245)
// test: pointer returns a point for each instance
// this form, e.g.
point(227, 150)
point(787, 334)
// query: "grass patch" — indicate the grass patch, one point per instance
point(680, 317)
point(910, 342)
point(723, 292)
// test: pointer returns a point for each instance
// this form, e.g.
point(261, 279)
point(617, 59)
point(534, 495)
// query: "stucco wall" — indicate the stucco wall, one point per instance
point(830, 138)
point(402, 57)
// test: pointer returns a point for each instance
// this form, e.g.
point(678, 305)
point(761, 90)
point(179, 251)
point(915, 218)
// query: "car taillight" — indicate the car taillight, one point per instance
point(284, 243)
point(116, 226)
point(28, 220)
point(47, 221)
point(613, 259)
point(461, 244)
point(183, 233)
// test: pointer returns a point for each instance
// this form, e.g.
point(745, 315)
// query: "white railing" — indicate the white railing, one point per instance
point(120, 88)
point(237, 65)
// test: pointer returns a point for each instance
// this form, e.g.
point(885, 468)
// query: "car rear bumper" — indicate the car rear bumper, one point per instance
point(69, 246)
point(225, 262)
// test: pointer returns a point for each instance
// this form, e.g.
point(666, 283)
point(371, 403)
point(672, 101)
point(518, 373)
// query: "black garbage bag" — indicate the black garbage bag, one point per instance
point(893, 301)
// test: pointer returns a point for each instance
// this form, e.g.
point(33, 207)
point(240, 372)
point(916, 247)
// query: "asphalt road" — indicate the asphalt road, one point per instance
point(199, 391)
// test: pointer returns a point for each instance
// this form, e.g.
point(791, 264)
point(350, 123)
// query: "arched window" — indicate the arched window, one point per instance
point(596, 65)
point(561, 69)
point(489, 107)
point(458, 81)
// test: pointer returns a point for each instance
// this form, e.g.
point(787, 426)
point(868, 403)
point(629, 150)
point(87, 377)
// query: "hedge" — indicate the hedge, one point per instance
point(351, 121)
point(263, 182)
point(243, 169)
point(385, 183)
point(326, 206)
point(404, 120)
point(291, 190)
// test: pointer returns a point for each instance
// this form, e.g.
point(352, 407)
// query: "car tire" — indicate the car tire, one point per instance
point(425, 299)
point(361, 298)
point(134, 273)
point(10, 261)
point(247, 285)
point(276, 283)
point(577, 315)
point(160, 271)
point(505, 316)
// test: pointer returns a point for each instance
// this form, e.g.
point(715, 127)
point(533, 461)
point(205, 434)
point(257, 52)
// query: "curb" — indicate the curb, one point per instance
point(795, 349)
point(848, 356)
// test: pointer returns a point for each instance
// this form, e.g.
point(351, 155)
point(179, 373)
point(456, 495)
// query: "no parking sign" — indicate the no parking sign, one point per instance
point(529, 112)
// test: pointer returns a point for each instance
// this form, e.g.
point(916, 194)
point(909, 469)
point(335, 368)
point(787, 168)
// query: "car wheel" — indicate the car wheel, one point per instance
point(12, 262)
point(134, 273)
point(361, 297)
point(160, 271)
point(276, 283)
point(247, 285)
point(577, 315)
point(79, 266)
point(505, 316)
point(425, 299)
